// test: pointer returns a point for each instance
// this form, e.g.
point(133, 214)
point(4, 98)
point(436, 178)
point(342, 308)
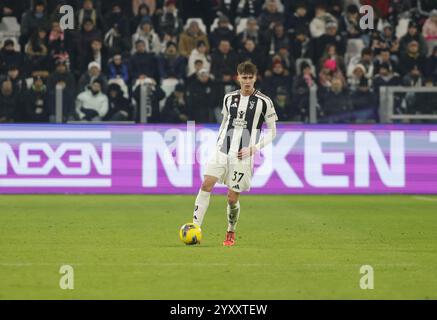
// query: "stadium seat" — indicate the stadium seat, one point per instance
point(10, 24)
point(241, 25)
point(354, 48)
point(199, 22)
point(402, 27)
point(168, 86)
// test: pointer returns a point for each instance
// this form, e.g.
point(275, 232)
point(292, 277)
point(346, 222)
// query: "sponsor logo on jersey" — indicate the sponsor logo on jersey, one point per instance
point(234, 105)
point(236, 187)
point(239, 123)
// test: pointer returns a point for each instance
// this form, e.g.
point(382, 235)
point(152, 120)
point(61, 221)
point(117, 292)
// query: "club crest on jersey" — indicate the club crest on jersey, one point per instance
point(251, 105)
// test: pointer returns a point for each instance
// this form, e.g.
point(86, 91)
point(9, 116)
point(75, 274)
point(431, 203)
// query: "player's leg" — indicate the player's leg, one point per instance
point(233, 211)
point(202, 200)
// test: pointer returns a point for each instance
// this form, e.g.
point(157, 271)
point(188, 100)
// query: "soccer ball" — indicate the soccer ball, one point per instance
point(190, 233)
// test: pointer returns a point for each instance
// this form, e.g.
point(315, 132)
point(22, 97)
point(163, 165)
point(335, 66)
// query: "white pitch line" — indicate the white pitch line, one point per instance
point(203, 264)
point(426, 199)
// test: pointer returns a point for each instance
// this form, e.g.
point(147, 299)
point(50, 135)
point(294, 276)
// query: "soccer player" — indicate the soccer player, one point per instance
point(244, 113)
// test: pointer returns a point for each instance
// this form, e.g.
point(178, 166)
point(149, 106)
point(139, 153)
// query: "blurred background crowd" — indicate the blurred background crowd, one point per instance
point(186, 52)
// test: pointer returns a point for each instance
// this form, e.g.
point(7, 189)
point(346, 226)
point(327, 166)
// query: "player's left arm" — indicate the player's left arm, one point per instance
point(269, 134)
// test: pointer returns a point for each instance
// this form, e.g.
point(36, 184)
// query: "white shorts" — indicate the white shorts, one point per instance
point(234, 173)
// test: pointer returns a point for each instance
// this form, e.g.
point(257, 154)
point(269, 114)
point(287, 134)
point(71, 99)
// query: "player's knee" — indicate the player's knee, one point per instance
point(232, 199)
point(207, 186)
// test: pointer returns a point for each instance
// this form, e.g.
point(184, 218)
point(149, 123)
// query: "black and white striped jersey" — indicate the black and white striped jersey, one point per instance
point(243, 117)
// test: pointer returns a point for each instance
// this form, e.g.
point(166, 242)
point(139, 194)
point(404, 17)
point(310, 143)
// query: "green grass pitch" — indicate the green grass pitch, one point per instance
point(288, 247)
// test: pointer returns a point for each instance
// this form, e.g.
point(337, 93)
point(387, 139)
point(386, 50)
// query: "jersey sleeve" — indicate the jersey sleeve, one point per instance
point(270, 114)
point(225, 110)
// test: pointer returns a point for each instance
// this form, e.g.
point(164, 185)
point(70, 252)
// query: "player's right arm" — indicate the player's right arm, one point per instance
point(225, 113)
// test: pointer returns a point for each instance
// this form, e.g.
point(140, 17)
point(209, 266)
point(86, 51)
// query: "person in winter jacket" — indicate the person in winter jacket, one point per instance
point(36, 102)
point(92, 105)
point(120, 108)
point(118, 69)
point(146, 33)
point(190, 37)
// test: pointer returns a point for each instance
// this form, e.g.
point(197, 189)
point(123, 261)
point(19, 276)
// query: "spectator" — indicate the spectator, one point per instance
point(349, 23)
point(222, 32)
point(386, 77)
point(297, 20)
point(252, 32)
point(412, 57)
point(88, 12)
point(37, 52)
point(61, 74)
point(301, 46)
point(169, 20)
point(413, 78)
point(431, 66)
point(276, 87)
point(9, 102)
point(248, 8)
point(59, 44)
point(413, 34)
point(270, 16)
point(87, 35)
point(366, 60)
point(301, 93)
point(202, 98)
point(120, 108)
point(318, 24)
point(330, 37)
point(384, 57)
point(142, 62)
point(65, 79)
point(32, 20)
point(388, 40)
point(9, 56)
point(36, 102)
point(335, 102)
point(426, 102)
point(143, 12)
point(154, 94)
point(146, 33)
point(357, 77)
point(175, 109)
point(429, 30)
point(198, 65)
point(117, 69)
point(115, 42)
point(224, 60)
point(332, 58)
point(251, 52)
point(18, 81)
point(190, 37)
point(200, 53)
point(94, 73)
point(92, 104)
point(171, 64)
point(97, 54)
point(363, 97)
point(117, 18)
point(286, 59)
point(278, 39)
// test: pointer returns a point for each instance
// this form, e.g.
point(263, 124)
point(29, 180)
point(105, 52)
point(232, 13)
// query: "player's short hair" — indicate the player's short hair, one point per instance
point(247, 67)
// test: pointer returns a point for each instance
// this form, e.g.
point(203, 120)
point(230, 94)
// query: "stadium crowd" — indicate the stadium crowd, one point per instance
point(186, 51)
